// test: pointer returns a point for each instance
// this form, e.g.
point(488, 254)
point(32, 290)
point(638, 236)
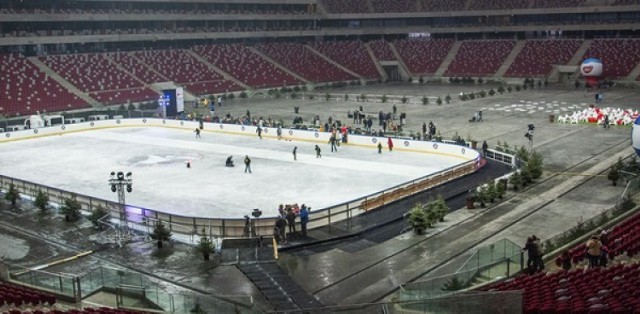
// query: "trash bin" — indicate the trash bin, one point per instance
point(552, 118)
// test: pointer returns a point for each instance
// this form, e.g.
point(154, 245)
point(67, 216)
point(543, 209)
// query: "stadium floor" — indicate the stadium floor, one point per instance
point(570, 192)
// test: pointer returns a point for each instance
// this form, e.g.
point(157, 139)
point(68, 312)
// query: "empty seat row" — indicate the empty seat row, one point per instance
point(350, 54)
point(304, 62)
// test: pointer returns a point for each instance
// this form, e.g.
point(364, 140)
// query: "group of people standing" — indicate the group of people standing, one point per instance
point(533, 246)
point(597, 251)
point(287, 215)
point(431, 128)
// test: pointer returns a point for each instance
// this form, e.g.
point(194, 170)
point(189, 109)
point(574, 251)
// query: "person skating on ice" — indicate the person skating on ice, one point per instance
point(259, 131)
point(379, 148)
point(390, 144)
point(247, 164)
point(318, 152)
point(295, 153)
point(279, 132)
point(332, 141)
point(197, 131)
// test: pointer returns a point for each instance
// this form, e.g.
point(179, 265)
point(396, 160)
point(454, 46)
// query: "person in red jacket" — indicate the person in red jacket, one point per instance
point(390, 143)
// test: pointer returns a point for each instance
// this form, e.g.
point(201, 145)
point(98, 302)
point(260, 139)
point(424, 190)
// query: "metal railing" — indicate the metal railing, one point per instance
point(500, 259)
point(501, 157)
point(132, 283)
point(460, 302)
point(59, 283)
point(590, 225)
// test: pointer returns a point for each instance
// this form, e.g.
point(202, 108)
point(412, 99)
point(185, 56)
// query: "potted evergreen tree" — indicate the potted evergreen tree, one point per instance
point(614, 175)
point(454, 284)
point(441, 208)
point(515, 179)
point(160, 233)
point(492, 192)
point(525, 174)
point(205, 246)
point(96, 214)
point(71, 209)
point(42, 200)
point(12, 195)
point(501, 187)
point(418, 219)
point(534, 164)
point(482, 196)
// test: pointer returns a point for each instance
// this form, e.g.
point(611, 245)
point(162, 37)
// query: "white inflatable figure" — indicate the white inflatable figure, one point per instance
point(563, 119)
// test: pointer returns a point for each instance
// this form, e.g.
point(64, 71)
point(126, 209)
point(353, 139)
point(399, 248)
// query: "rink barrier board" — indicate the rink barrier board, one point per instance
point(440, 148)
point(144, 219)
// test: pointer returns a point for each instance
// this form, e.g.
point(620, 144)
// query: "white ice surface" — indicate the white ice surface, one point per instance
point(81, 162)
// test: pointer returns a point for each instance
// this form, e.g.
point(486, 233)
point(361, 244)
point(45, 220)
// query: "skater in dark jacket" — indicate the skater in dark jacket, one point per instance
point(247, 164)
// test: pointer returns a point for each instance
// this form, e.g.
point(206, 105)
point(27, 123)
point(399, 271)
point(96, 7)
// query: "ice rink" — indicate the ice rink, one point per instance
point(81, 162)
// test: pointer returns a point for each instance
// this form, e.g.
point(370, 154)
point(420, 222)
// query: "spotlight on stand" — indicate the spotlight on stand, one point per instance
point(112, 179)
point(129, 182)
point(119, 182)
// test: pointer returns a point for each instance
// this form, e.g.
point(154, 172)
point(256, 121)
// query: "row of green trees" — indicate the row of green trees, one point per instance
point(71, 210)
point(531, 168)
point(422, 216)
point(488, 193)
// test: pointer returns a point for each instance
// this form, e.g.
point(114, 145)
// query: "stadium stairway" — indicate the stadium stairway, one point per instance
point(447, 61)
point(343, 68)
point(282, 292)
point(276, 64)
point(376, 62)
point(124, 69)
point(66, 84)
point(393, 48)
point(509, 60)
point(224, 74)
point(577, 57)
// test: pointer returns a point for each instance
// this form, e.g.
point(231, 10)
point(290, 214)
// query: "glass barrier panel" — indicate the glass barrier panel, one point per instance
point(91, 282)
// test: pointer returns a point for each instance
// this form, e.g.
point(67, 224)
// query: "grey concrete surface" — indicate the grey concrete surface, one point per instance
point(340, 277)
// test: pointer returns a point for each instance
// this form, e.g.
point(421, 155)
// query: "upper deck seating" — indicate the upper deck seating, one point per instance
point(423, 57)
point(538, 57)
point(479, 58)
point(350, 54)
point(24, 89)
point(304, 62)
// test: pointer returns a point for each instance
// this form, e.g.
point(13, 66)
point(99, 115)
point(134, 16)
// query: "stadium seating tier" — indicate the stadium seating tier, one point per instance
point(479, 58)
point(246, 66)
point(422, 56)
point(538, 57)
point(304, 62)
point(350, 54)
point(26, 90)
